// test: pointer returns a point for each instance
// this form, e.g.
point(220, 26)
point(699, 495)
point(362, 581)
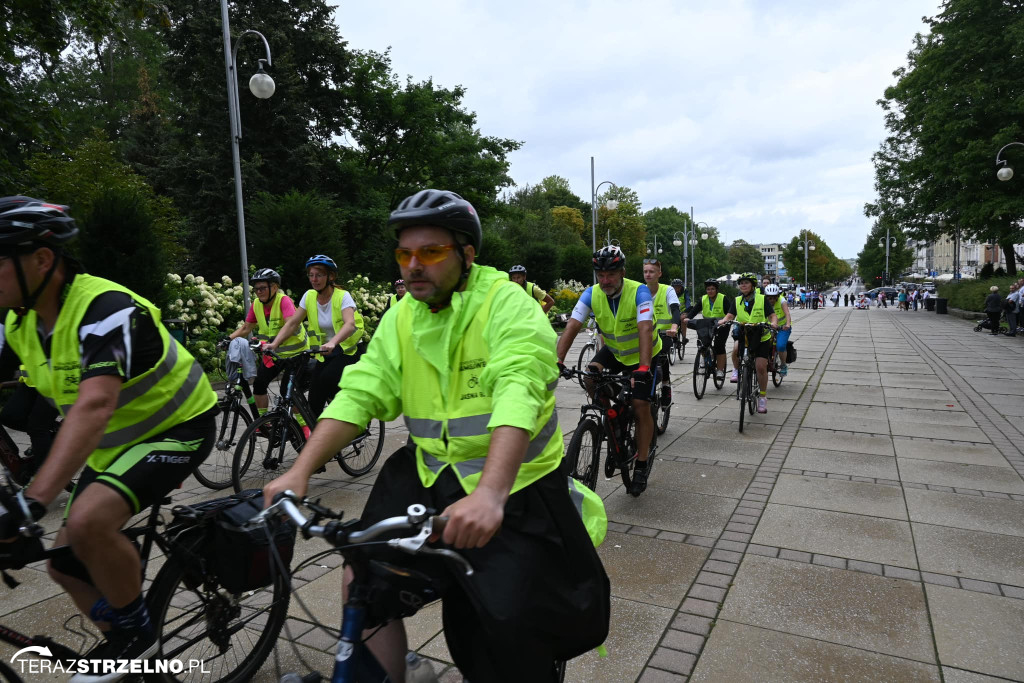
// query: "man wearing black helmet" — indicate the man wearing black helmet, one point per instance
point(713, 307)
point(138, 416)
point(624, 310)
point(517, 274)
point(268, 319)
point(470, 363)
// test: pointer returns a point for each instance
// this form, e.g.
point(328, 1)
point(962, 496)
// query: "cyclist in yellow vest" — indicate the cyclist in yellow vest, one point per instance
point(333, 324)
point(666, 320)
point(517, 274)
point(624, 311)
point(267, 319)
point(138, 417)
point(470, 363)
point(713, 306)
point(751, 308)
point(400, 291)
point(773, 298)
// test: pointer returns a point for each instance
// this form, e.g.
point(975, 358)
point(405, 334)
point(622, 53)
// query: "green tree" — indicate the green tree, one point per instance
point(624, 223)
point(576, 262)
point(871, 259)
point(959, 99)
point(119, 242)
point(287, 229)
point(822, 264)
point(568, 224)
point(744, 257)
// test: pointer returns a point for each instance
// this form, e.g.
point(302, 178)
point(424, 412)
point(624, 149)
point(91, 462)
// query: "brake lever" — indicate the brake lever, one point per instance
point(467, 568)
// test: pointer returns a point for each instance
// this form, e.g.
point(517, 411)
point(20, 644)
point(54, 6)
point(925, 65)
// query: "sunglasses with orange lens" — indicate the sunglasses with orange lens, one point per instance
point(428, 255)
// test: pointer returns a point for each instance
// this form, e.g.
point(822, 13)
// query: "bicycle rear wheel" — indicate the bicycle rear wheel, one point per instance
point(681, 351)
point(742, 390)
point(197, 620)
point(584, 453)
point(752, 389)
point(361, 455)
point(776, 375)
point(215, 472)
point(713, 362)
point(700, 377)
point(672, 355)
point(661, 413)
point(265, 451)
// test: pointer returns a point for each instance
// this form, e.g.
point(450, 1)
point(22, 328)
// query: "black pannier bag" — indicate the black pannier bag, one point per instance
point(241, 557)
point(790, 352)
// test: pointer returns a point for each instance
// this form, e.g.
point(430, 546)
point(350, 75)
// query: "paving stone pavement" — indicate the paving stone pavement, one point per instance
point(869, 527)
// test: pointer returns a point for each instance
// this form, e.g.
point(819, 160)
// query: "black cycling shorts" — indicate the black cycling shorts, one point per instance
point(763, 349)
point(539, 591)
point(148, 471)
point(641, 391)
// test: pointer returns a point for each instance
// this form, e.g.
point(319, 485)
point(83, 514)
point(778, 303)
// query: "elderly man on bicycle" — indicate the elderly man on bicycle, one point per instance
point(139, 415)
point(470, 363)
point(624, 310)
point(751, 308)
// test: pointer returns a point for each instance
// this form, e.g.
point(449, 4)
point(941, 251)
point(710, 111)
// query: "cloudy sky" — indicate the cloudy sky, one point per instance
point(760, 114)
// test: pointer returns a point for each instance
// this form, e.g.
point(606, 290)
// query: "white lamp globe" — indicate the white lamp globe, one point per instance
point(1005, 173)
point(262, 85)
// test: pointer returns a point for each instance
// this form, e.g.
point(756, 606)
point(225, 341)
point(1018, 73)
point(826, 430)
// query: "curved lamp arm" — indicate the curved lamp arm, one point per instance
point(234, 80)
point(1000, 161)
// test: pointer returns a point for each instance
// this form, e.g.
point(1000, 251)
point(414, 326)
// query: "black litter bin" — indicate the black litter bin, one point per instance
point(929, 304)
point(940, 306)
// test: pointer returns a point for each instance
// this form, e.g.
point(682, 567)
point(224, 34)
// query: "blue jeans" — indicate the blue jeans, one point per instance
point(782, 337)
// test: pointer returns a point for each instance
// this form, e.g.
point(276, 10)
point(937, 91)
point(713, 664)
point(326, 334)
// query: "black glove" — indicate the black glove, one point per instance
point(563, 371)
point(642, 376)
point(11, 520)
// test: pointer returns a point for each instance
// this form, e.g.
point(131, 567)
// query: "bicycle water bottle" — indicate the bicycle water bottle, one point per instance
point(418, 670)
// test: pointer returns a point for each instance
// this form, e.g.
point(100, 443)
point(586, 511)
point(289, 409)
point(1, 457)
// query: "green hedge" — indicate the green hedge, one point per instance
point(970, 294)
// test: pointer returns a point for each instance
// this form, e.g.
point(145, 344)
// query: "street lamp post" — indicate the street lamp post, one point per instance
point(654, 249)
point(1005, 171)
point(806, 245)
point(687, 239)
point(262, 86)
point(889, 242)
point(611, 204)
point(956, 243)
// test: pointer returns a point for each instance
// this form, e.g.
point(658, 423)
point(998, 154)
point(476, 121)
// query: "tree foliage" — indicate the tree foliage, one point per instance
point(959, 100)
point(823, 265)
point(871, 259)
point(745, 258)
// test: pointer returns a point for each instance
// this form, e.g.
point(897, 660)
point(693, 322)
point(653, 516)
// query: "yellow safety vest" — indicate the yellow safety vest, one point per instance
point(533, 290)
point(620, 331)
point(450, 429)
point(173, 391)
point(756, 315)
point(716, 311)
point(318, 336)
point(783, 321)
point(662, 313)
point(266, 330)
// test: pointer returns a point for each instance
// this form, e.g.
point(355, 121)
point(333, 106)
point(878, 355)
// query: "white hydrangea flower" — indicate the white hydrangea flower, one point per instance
point(200, 279)
point(226, 280)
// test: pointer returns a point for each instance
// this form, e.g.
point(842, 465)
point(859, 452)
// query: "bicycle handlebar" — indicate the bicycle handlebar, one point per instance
point(416, 519)
point(11, 502)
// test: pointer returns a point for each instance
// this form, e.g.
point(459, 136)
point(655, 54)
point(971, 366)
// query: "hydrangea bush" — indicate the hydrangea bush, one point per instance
point(210, 311)
point(566, 294)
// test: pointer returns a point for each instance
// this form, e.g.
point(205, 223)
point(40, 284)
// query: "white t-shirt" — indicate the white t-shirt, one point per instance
point(323, 312)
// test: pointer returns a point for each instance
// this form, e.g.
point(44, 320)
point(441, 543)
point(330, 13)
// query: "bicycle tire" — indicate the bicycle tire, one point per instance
point(585, 464)
point(661, 417)
point(586, 355)
point(262, 446)
point(625, 466)
point(167, 600)
point(681, 350)
point(672, 356)
point(361, 455)
point(719, 381)
point(742, 389)
point(700, 379)
point(215, 472)
point(776, 375)
point(752, 389)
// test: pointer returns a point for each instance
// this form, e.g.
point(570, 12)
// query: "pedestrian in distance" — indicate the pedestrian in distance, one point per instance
point(846, 300)
point(994, 308)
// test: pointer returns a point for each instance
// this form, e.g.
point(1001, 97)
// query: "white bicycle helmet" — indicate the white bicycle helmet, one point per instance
point(771, 290)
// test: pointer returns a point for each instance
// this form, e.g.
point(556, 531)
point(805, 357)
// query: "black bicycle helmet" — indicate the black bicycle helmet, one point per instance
point(711, 283)
point(265, 275)
point(26, 221)
point(321, 260)
point(677, 282)
point(609, 258)
point(439, 208)
point(517, 269)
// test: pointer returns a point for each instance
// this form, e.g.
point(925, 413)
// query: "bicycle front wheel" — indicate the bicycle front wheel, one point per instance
point(700, 378)
point(776, 375)
point(742, 389)
point(586, 355)
point(661, 413)
point(215, 472)
point(681, 351)
point(361, 455)
point(265, 451)
point(197, 620)
point(584, 452)
point(672, 356)
point(752, 389)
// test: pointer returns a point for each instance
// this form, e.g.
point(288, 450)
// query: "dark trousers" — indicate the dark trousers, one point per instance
point(326, 377)
point(993, 317)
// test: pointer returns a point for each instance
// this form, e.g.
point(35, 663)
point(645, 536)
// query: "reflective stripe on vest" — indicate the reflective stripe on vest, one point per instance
point(266, 329)
point(449, 427)
point(318, 336)
point(662, 313)
point(173, 391)
point(717, 311)
point(620, 329)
